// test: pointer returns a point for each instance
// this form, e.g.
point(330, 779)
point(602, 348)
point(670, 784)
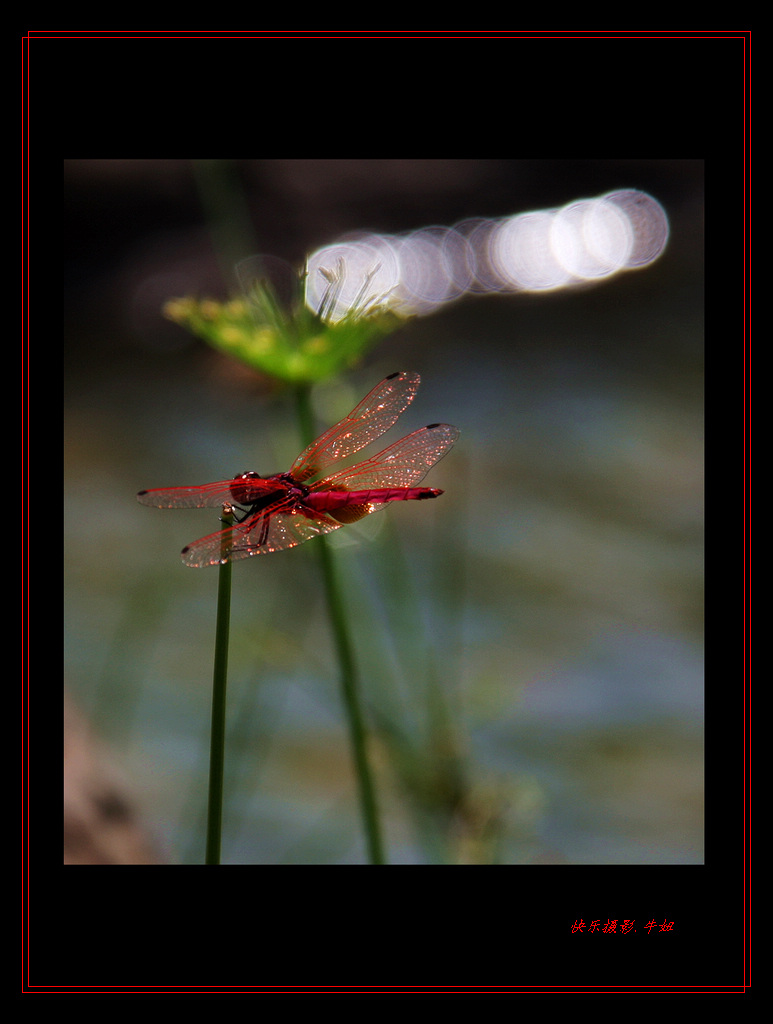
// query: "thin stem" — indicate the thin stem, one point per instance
point(347, 667)
point(217, 738)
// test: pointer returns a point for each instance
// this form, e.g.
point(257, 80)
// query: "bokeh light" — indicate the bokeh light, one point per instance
point(417, 273)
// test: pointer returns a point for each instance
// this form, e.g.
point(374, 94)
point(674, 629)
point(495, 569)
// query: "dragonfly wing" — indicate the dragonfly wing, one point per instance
point(272, 529)
point(209, 495)
point(403, 464)
point(375, 414)
point(204, 496)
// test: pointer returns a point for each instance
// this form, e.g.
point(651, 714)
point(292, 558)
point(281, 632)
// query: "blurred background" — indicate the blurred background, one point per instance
point(530, 645)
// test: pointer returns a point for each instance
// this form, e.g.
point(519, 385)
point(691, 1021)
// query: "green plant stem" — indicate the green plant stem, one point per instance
point(217, 735)
point(347, 667)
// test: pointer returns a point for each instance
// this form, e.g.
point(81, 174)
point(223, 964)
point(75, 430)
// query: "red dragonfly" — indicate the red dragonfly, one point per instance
point(280, 511)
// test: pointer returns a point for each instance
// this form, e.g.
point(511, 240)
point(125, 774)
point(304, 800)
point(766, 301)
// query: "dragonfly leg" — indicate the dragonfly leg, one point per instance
point(235, 509)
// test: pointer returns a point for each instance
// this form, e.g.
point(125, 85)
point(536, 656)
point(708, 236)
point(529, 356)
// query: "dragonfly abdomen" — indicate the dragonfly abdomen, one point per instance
point(329, 501)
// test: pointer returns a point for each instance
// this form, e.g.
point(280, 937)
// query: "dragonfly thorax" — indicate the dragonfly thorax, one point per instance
point(255, 491)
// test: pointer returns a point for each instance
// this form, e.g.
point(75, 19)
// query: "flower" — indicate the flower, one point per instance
point(272, 329)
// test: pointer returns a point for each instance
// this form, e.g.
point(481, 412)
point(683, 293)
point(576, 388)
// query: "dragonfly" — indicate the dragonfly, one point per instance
point(272, 513)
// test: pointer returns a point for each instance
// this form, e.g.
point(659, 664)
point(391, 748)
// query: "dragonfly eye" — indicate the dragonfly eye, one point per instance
point(244, 494)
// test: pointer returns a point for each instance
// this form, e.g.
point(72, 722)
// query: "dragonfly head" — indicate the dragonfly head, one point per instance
point(241, 489)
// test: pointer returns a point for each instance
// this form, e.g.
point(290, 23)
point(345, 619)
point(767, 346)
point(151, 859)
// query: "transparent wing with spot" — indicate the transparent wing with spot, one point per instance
point(375, 414)
point(403, 464)
point(204, 496)
point(274, 528)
